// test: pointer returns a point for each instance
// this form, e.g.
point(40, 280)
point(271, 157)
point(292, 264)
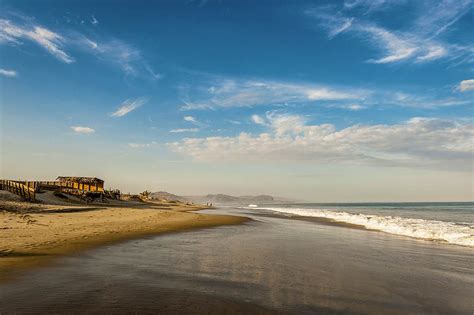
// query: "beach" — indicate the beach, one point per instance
point(273, 264)
point(33, 234)
point(237, 157)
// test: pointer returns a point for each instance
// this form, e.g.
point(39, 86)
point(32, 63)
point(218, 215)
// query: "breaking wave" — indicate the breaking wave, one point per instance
point(449, 232)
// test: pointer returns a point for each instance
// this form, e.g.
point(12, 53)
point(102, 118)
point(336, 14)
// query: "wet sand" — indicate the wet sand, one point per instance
point(35, 234)
point(270, 265)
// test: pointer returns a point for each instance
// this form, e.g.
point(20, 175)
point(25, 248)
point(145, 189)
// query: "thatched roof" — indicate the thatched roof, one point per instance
point(82, 180)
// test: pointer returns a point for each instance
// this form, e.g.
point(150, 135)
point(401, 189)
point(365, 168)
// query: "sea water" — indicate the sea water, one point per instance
point(448, 222)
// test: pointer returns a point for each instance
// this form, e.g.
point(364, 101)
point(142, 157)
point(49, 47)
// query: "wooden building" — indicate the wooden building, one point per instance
point(91, 184)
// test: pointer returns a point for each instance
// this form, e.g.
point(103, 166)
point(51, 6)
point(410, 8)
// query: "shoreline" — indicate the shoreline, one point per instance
point(296, 266)
point(37, 237)
point(409, 230)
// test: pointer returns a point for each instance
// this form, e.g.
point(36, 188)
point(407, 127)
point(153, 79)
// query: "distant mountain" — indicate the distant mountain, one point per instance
point(166, 196)
point(219, 199)
point(227, 199)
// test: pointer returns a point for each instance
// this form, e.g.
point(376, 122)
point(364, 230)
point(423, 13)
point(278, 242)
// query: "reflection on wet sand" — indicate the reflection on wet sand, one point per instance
point(268, 265)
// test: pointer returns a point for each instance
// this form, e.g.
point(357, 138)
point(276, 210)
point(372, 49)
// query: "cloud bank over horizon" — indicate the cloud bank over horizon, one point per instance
point(418, 142)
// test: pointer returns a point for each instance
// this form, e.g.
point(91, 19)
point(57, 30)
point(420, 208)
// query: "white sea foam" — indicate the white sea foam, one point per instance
point(418, 228)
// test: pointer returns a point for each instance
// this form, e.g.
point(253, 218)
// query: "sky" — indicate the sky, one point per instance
point(323, 101)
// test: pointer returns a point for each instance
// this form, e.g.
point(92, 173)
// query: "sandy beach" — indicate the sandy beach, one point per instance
point(33, 234)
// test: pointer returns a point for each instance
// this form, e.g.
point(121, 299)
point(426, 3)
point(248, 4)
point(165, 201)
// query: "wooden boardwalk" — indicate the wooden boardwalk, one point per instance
point(81, 187)
point(26, 190)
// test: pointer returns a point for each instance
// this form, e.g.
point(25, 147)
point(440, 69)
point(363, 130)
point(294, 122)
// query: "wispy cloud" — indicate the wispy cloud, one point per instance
point(94, 21)
point(420, 101)
point(105, 48)
point(437, 17)
point(8, 73)
point(82, 130)
point(129, 105)
point(396, 46)
point(343, 25)
point(229, 93)
point(226, 93)
point(466, 85)
point(257, 119)
point(190, 119)
point(418, 44)
point(334, 22)
point(402, 46)
point(371, 5)
point(418, 142)
point(184, 130)
point(117, 52)
point(52, 42)
point(353, 107)
point(141, 145)
point(193, 120)
point(234, 122)
point(121, 53)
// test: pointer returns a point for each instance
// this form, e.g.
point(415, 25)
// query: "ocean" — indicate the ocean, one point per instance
point(445, 222)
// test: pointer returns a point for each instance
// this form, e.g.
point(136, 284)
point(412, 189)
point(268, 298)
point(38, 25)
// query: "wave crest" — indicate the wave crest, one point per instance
point(448, 232)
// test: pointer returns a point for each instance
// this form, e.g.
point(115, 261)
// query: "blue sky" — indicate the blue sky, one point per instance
point(317, 100)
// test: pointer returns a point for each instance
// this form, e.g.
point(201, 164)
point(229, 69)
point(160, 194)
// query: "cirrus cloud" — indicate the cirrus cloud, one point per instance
point(17, 30)
point(228, 93)
point(117, 52)
point(418, 43)
point(128, 106)
point(52, 42)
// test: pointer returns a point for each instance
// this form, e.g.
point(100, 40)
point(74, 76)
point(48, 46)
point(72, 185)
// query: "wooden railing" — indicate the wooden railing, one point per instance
point(26, 190)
